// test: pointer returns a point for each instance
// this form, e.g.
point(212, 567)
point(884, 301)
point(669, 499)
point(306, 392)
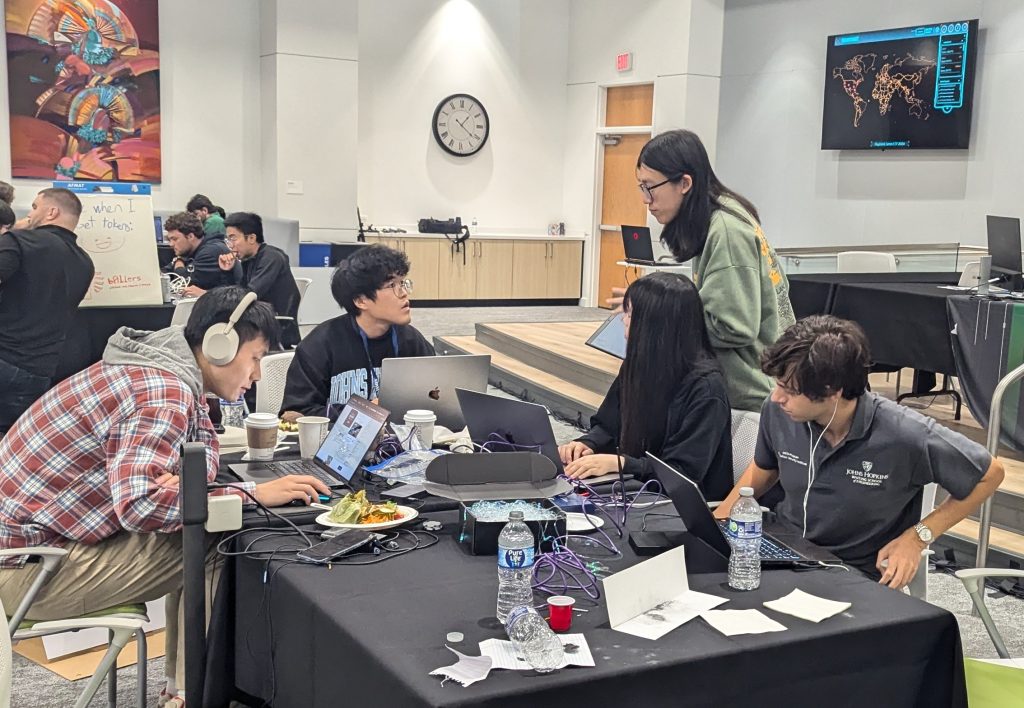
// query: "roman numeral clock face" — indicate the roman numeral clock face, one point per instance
point(461, 125)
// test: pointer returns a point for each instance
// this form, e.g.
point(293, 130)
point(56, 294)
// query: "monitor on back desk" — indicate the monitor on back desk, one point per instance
point(1005, 249)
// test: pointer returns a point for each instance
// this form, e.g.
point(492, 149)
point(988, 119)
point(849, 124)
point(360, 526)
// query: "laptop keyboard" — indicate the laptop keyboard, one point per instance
point(287, 467)
point(771, 550)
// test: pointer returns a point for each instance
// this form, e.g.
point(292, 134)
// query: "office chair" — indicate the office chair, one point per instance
point(270, 387)
point(991, 682)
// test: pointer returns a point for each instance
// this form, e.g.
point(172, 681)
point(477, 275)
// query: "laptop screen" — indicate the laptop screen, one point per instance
point(610, 337)
point(351, 437)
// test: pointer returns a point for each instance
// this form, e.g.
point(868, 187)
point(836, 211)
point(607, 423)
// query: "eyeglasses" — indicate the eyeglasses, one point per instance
point(399, 286)
point(646, 191)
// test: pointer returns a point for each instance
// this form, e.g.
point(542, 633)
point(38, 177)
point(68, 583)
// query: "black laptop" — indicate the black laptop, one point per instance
point(499, 424)
point(636, 242)
point(339, 456)
point(700, 522)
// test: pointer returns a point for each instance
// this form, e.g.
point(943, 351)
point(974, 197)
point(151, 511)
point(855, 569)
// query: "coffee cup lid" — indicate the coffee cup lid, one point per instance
point(420, 416)
point(261, 420)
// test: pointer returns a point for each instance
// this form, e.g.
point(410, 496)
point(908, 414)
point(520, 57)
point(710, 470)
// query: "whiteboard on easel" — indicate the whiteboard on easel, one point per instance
point(116, 229)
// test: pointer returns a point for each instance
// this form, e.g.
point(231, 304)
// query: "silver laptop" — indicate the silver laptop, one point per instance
point(429, 383)
point(340, 454)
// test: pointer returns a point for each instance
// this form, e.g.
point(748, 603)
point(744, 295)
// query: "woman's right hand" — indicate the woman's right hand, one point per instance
point(570, 452)
point(616, 299)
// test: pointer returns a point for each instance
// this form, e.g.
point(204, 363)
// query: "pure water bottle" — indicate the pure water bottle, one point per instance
point(534, 640)
point(745, 539)
point(515, 566)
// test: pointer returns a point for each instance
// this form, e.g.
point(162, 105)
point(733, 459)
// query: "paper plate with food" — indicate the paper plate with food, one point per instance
point(287, 430)
point(355, 511)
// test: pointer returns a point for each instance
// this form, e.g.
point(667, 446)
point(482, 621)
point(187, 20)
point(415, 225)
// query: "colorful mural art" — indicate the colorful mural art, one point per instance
point(84, 86)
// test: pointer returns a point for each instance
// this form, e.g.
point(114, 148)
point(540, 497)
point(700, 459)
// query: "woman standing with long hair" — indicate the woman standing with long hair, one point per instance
point(669, 398)
point(745, 292)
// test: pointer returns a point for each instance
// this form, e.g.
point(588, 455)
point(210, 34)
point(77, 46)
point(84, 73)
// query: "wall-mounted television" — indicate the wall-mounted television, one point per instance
point(900, 89)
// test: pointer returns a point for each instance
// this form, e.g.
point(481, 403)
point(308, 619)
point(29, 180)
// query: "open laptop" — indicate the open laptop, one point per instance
point(636, 242)
point(501, 424)
point(697, 517)
point(340, 454)
point(610, 337)
point(429, 383)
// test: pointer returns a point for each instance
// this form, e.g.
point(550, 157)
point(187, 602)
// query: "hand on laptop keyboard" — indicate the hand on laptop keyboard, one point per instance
point(284, 490)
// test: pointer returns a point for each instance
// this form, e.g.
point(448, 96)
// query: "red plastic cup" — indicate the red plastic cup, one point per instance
point(560, 612)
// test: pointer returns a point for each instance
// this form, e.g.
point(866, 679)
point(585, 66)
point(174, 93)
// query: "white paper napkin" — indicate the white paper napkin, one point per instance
point(733, 622)
point(806, 606)
point(467, 670)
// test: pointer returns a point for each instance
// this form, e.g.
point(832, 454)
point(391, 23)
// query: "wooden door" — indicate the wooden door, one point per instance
point(423, 256)
point(530, 269)
point(493, 268)
point(456, 272)
point(565, 268)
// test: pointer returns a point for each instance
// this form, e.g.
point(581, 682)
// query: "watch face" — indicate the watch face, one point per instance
point(924, 533)
point(461, 125)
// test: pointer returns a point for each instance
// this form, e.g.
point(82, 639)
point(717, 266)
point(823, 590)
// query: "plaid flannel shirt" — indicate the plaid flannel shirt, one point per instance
point(81, 463)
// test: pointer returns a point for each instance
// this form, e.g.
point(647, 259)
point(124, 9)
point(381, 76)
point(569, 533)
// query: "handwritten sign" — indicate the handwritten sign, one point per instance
point(116, 230)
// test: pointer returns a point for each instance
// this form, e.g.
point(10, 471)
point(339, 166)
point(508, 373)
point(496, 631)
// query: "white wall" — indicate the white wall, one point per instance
point(309, 66)
point(513, 57)
point(773, 73)
point(210, 128)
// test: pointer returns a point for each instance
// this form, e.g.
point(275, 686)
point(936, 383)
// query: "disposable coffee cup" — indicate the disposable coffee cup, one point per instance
point(422, 424)
point(261, 434)
point(312, 432)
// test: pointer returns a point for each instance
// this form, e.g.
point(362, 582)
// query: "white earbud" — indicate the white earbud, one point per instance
point(810, 461)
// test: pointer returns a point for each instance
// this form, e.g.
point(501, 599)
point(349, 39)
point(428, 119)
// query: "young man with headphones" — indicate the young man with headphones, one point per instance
point(343, 355)
point(92, 466)
point(853, 464)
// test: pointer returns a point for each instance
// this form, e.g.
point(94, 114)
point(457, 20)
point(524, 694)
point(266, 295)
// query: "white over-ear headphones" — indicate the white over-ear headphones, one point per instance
point(220, 343)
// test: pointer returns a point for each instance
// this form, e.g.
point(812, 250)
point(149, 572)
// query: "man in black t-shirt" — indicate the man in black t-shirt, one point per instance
point(44, 274)
point(343, 355)
point(266, 270)
point(197, 256)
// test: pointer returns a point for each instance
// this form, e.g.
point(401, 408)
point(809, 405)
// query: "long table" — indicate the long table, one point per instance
point(299, 635)
point(814, 293)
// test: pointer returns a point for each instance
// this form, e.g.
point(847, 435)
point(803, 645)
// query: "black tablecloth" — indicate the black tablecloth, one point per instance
point(906, 323)
point(812, 293)
point(92, 326)
point(312, 636)
point(988, 345)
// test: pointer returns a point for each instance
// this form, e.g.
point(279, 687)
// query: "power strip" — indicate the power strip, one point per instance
point(224, 513)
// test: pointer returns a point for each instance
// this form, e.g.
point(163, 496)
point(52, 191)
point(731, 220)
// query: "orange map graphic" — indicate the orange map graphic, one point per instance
point(888, 75)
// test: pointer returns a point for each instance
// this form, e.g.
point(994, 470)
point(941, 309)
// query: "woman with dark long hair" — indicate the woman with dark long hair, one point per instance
point(669, 398)
point(745, 292)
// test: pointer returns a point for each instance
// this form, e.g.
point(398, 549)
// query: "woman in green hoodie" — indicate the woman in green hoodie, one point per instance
point(738, 276)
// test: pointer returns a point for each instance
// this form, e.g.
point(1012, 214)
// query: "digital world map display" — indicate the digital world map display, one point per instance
point(900, 88)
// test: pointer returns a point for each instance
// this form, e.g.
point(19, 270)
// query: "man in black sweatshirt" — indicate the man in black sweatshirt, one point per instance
point(44, 274)
point(342, 356)
point(197, 256)
point(266, 270)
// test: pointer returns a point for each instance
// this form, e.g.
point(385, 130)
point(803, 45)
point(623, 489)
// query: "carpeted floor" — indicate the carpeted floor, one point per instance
point(35, 687)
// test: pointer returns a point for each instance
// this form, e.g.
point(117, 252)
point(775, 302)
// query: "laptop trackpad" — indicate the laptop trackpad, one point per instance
point(256, 472)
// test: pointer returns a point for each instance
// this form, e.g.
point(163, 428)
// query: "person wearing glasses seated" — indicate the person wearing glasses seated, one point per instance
point(745, 292)
point(343, 356)
point(669, 398)
point(266, 270)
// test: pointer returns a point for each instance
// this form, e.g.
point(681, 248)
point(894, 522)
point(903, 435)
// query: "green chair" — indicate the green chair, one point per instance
point(997, 683)
point(121, 622)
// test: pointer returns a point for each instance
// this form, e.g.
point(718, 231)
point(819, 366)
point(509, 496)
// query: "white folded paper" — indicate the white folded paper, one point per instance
point(503, 653)
point(467, 670)
point(806, 606)
point(733, 622)
point(652, 598)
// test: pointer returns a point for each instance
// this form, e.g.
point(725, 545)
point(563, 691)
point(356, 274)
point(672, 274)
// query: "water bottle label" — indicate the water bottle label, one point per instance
point(744, 529)
point(515, 558)
point(517, 613)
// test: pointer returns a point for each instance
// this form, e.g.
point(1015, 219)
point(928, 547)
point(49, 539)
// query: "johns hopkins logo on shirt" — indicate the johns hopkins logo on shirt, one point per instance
point(865, 476)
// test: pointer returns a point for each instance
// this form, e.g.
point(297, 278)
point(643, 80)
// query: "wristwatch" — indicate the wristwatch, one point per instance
point(923, 532)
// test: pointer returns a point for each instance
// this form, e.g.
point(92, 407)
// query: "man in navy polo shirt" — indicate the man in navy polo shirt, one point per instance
point(851, 463)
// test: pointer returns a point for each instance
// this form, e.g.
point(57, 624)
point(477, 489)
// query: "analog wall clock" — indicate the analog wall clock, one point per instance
point(461, 125)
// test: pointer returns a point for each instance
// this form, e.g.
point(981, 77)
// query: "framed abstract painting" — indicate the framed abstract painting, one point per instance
point(83, 82)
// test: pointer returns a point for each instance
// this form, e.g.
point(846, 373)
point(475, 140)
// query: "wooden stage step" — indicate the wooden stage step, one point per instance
point(558, 348)
point(1003, 544)
point(566, 399)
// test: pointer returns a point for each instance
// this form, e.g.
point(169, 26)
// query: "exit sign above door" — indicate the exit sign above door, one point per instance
point(624, 61)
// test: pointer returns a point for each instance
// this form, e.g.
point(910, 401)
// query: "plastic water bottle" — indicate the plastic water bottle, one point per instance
point(515, 566)
point(534, 640)
point(745, 539)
